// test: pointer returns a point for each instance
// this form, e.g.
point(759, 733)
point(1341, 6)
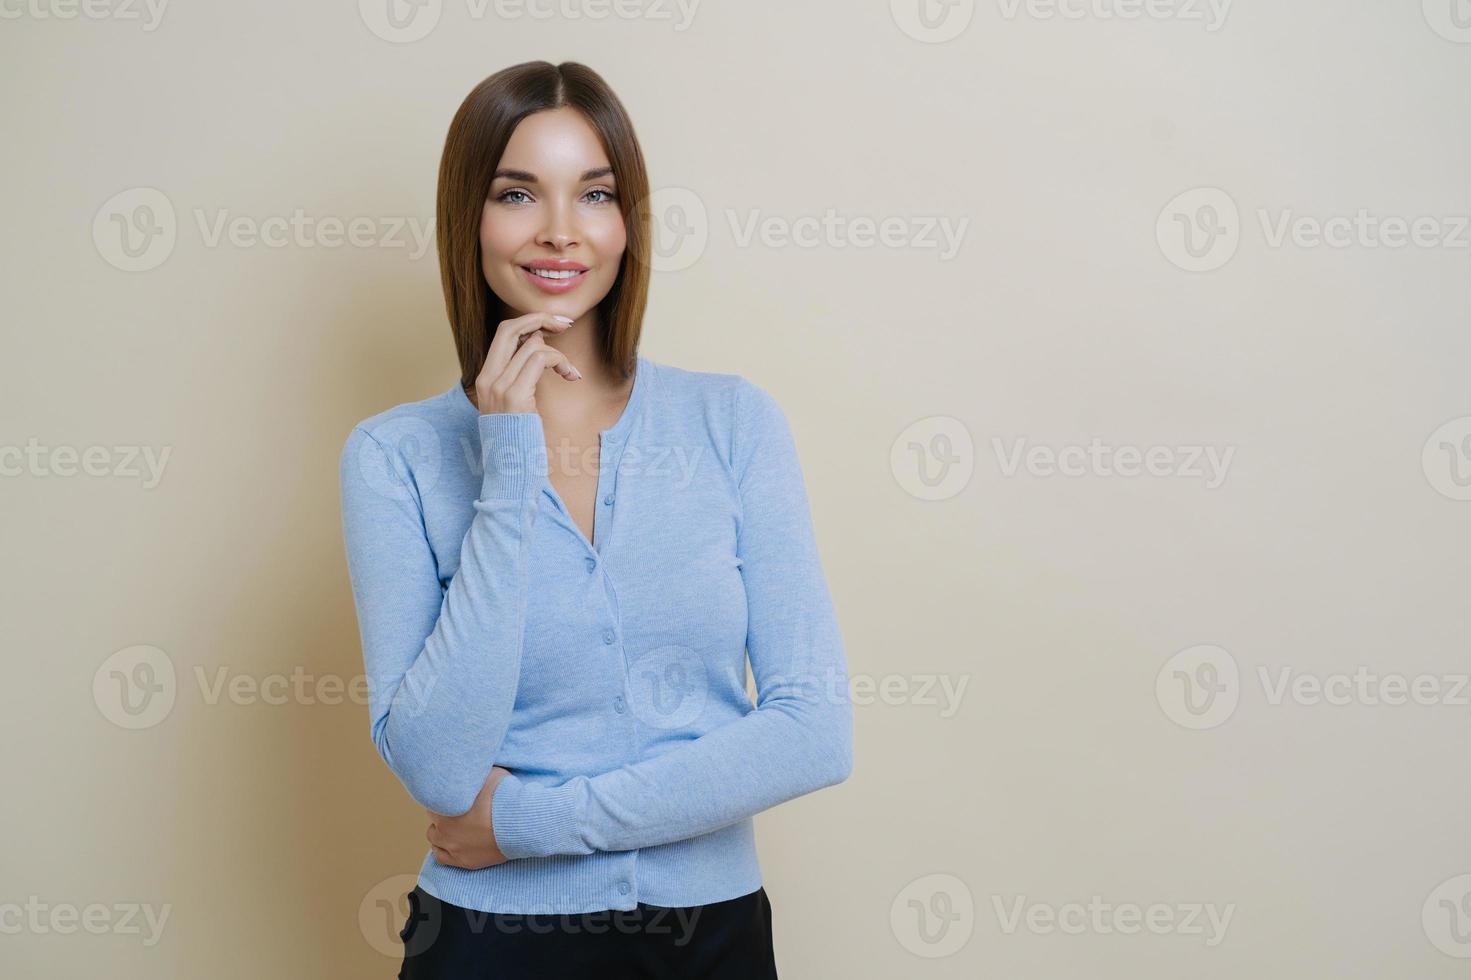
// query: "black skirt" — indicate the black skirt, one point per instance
point(728, 940)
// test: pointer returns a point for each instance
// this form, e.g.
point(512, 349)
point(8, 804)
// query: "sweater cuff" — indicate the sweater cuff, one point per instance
point(532, 820)
point(513, 452)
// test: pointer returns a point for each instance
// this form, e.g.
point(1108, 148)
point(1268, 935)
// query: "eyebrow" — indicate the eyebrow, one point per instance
point(530, 178)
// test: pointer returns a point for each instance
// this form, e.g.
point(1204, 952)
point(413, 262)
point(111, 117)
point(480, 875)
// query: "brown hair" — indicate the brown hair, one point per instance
point(477, 137)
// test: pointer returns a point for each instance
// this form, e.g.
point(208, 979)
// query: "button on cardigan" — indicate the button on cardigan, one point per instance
point(608, 676)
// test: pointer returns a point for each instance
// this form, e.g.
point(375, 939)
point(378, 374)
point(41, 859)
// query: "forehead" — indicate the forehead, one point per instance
point(554, 143)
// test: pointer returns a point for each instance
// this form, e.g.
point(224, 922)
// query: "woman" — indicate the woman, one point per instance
point(560, 565)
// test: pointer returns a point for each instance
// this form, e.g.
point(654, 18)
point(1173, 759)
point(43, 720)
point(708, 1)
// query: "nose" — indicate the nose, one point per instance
point(559, 229)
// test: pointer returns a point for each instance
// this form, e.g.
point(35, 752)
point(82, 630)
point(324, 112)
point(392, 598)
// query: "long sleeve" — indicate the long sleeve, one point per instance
point(442, 663)
point(797, 739)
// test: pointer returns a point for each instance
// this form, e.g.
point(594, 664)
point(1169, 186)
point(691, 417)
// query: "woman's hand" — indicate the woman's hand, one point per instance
point(468, 841)
point(517, 357)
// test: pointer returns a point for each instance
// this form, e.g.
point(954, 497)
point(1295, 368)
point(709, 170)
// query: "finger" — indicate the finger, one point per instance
point(553, 358)
point(533, 366)
point(510, 334)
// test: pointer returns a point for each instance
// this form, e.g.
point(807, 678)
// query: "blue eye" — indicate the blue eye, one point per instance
point(504, 196)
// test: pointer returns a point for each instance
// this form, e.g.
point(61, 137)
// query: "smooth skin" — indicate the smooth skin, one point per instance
point(567, 209)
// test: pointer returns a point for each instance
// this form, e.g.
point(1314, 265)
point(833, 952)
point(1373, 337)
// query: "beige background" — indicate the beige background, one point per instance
point(1337, 540)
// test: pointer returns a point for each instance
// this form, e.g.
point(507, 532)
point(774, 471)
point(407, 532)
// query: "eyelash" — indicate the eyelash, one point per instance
point(501, 197)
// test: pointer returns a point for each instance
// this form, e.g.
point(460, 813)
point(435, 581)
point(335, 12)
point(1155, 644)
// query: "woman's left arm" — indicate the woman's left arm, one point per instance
point(799, 737)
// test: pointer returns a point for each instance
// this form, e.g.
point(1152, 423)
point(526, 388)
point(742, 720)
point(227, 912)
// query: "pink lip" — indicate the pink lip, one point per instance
point(554, 286)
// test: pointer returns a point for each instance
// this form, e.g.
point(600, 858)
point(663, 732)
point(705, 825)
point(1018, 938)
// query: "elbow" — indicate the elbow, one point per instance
point(835, 740)
point(842, 755)
point(440, 796)
point(422, 784)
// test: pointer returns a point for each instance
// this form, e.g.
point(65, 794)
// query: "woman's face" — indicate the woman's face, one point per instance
point(552, 207)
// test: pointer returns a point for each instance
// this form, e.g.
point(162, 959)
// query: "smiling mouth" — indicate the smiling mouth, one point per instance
point(554, 274)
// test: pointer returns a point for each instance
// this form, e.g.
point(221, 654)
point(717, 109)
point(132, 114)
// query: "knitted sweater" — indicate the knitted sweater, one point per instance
point(608, 676)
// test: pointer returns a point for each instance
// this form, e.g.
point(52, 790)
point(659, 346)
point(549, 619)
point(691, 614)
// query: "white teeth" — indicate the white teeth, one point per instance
point(555, 273)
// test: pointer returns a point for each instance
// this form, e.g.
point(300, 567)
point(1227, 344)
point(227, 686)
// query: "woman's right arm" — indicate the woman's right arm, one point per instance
point(442, 663)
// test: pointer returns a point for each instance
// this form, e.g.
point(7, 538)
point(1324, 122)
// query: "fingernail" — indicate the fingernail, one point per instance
point(564, 319)
point(576, 374)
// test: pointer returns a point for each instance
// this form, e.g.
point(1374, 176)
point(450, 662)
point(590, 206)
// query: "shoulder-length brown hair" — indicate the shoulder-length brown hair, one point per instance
point(477, 137)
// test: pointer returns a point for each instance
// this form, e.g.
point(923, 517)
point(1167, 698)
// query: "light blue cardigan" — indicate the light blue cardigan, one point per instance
point(608, 676)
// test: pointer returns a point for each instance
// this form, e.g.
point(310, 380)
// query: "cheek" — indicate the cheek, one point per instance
point(605, 233)
point(609, 238)
point(499, 238)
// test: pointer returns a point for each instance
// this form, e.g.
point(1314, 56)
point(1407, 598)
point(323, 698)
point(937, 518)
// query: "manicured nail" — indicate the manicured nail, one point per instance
point(576, 374)
point(564, 319)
